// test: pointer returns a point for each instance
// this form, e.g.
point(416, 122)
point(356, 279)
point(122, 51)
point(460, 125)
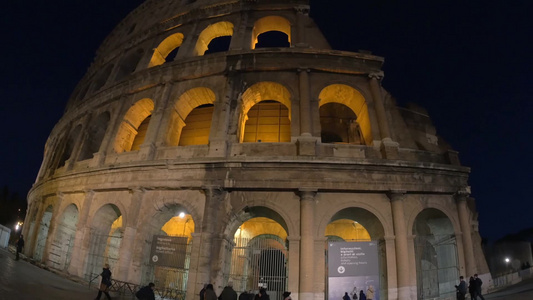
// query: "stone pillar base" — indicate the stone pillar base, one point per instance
point(389, 149)
point(307, 145)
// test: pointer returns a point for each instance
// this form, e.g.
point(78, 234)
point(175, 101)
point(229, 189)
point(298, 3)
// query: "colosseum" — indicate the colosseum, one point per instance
point(218, 141)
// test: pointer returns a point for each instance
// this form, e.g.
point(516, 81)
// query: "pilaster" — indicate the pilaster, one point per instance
point(400, 232)
point(461, 197)
point(307, 243)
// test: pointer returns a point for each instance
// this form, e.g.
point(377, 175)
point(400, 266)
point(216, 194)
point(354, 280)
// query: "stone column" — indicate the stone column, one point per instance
point(307, 243)
point(299, 40)
point(82, 232)
point(130, 231)
point(194, 284)
point(189, 43)
point(31, 238)
point(464, 222)
point(389, 148)
point(400, 232)
point(154, 133)
point(52, 229)
point(306, 142)
point(115, 120)
point(294, 265)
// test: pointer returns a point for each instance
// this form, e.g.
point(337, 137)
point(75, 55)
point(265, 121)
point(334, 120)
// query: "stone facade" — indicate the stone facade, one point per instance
point(145, 136)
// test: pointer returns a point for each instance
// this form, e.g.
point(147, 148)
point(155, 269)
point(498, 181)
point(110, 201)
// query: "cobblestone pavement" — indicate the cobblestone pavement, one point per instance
point(20, 280)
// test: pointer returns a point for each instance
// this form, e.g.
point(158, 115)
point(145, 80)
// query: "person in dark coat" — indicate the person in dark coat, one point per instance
point(210, 293)
point(228, 293)
point(262, 295)
point(461, 289)
point(202, 292)
point(105, 284)
point(479, 283)
point(346, 296)
point(146, 293)
point(472, 288)
point(287, 296)
point(20, 246)
point(362, 295)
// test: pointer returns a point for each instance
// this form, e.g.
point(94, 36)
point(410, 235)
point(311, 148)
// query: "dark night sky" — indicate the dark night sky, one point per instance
point(469, 63)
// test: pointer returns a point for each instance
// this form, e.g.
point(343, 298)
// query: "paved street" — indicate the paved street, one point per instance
point(20, 280)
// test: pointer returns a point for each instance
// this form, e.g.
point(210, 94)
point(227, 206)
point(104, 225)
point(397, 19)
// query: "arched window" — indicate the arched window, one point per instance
point(220, 29)
point(271, 31)
point(266, 113)
point(190, 120)
point(344, 115)
point(128, 64)
point(132, 130)
point(69, 146)
point(167, 50)
point(101, 78)
point(95, 136)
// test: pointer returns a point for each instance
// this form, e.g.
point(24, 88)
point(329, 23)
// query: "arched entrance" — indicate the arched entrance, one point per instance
point(61, 247)
point(259, 257)
point(363, 229)
point(42, 233)
point(171, 228)
point(105, 238)
point(437, 266)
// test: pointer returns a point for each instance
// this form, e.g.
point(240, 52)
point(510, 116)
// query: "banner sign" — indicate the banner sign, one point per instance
point(352, 267)
point(168, 251)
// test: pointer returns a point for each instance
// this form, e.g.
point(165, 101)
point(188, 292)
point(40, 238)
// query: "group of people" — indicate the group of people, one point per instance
point(145, 293)
point(228, 293)
point(474, 288)
point(362, 296)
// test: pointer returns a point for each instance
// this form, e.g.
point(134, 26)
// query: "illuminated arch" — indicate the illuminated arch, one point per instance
point(270, 23)
point(129, 128)
point(208, 34)
point(346, 95)
point(165, 47)
point(186, 103)
point(265, 91)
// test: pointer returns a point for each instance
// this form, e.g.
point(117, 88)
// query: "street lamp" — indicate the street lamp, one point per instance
point(507, 260)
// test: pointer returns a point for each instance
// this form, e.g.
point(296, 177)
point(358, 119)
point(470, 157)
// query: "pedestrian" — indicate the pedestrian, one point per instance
point(479, 283)
point(202, 292)
point(345, 297)
point(105, 284)
point(354, 293)
point(461, 288)
point(472, 288)
point(370, 293)
point(146, 293)
point(287, 296)
point(362, 295)
point(262, 295)
point(20, 246)
point(228, 293)
point(209, 293)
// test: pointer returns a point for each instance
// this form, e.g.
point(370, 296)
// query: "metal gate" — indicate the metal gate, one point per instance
point(259, 262)
point(436, 265)
point(103, 249)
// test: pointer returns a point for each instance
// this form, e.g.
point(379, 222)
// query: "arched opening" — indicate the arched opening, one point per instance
point(69, 146)
point(129, 63)
point(437, 266)
point(105, 239)
point(172, 227)
point(266, 113)
point(190, 120)
point(339, 125)
point(63, 242)
point(360, 237)
point(271, 31)
point(101, 78)
point(259, 256)
point(95, 136)
point(167, 50)
point(217, 30)
point(42, 233)
point(132, 130)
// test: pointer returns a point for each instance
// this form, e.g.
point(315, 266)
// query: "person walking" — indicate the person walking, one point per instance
point(362, 295)
point(209, 293)
point(105, 284)
point(228, 293)
point(479, 283)
point(20, 246)
point(346, 296)
point(461, 288)
point(472, 288)
point(146, 293)
point(370, 293)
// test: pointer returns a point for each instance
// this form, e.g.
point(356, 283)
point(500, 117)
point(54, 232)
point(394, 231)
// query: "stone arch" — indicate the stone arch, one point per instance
point(129, 131)
point(105, 238)
point(184, 105)
point(211, 32)
point(63, 240)
point(441, 206)
point(161, 52)
point(436, 254)
point(270, 23)
point(69, 145)
point(101, 77)
point(42, 232)
point(128, 64)
point(353, 99)
point(95, 135)
point(267, 91)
